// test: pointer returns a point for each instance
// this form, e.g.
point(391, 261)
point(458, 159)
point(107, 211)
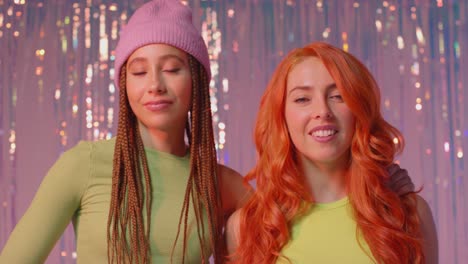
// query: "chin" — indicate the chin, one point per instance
point(156, 125)
point(161, 127)
point(325, 157)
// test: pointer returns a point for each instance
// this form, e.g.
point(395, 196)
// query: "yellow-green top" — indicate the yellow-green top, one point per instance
point(78, 188)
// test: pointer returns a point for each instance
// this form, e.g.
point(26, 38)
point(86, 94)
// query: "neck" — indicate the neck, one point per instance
point(326, 181)
point(171, 142)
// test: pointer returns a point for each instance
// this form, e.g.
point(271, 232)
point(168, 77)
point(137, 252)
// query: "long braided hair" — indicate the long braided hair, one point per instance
point(127, 232)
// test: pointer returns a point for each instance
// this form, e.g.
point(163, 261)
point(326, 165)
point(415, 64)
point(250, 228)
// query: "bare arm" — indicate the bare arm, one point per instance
point(428, 230)
point(234, 192)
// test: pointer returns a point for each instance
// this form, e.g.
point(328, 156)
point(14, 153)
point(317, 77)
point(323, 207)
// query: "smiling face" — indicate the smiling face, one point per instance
point(320, 124)
point(159, 86)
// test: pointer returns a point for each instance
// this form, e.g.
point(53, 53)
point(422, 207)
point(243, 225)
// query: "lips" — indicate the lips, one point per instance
point(158, 105)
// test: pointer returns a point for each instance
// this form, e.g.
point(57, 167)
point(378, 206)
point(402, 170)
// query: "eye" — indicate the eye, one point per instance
point(301, 100)
point(139, 73)
point(172, 70)
point(336, 97)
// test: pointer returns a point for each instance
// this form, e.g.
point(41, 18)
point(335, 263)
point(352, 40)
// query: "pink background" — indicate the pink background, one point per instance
point(57, 55)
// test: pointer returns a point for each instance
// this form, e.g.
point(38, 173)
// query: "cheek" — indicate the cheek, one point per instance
point(135, 91)
point(134, 88)
point(133, 96)
point(295, 120)
point(186, 91)
point(133, 102)
point(288, 118)
point(131, 93)
point(349, 121)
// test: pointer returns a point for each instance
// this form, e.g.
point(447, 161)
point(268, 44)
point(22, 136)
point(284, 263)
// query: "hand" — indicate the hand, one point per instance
point(399, 180)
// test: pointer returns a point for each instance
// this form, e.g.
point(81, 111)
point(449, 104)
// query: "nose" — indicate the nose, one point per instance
point(321, 110)
point(157, 85)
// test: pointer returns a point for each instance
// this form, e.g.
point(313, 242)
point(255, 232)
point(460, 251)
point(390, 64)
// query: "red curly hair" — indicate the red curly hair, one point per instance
point(388, 223)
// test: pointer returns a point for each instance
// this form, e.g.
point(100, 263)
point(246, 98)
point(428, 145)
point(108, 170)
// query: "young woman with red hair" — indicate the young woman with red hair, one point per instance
point(322, 177)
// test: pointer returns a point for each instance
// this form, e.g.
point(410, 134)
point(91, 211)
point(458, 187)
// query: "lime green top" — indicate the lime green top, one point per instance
point(326, 234)
point(78, 188)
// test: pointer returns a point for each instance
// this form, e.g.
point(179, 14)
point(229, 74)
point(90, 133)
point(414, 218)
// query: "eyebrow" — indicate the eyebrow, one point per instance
point(307, 88)
point(162, 58)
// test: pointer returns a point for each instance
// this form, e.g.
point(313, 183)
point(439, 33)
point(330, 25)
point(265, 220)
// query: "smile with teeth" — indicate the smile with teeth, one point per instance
point(324, 133)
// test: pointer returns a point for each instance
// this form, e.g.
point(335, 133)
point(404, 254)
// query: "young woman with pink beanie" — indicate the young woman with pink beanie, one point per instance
point(147, 195)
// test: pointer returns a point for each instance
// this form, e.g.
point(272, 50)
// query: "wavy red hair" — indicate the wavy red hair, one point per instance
point(388, 223)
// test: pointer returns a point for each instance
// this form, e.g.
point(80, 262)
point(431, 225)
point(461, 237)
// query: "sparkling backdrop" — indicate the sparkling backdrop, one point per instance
point(56, 64)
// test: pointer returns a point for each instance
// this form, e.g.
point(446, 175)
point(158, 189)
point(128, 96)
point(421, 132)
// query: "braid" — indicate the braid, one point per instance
point(202, 187)
point(197, 136)
point(210, 186)
point(126, 207)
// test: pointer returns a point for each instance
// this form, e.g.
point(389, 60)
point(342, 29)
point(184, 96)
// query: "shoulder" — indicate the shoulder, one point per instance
point(428, 230)
point(233, 232)
point(84, 151)
point(423, 207)
point(233, 223)
point(102, 151)
point(75, 157)
point(424, 210)
point(227, 173)
point(75, 166)
point(234, 191)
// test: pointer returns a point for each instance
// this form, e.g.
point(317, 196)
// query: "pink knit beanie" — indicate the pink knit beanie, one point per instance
point(161, 21)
